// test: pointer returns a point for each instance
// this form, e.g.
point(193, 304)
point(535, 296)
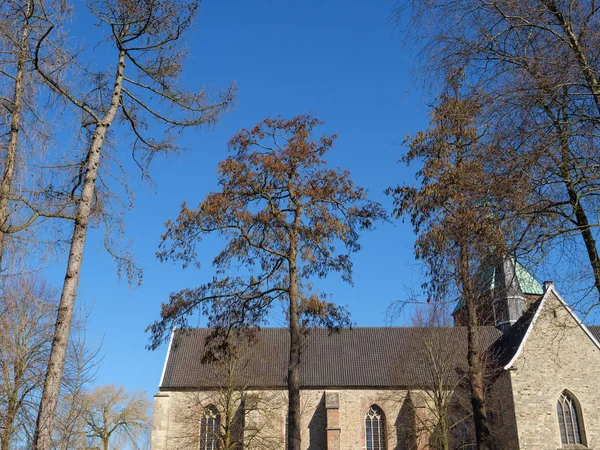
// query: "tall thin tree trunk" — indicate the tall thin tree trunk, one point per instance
point(476, 369)
point(15, 128)
point(56, 363)
point(584, 227)
point(9, 421)
point(294, 434)
point(578, 49)
point(581, 219)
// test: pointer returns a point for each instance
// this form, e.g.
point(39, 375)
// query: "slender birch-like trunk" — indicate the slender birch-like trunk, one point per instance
point(56, 363)
point(15, 127)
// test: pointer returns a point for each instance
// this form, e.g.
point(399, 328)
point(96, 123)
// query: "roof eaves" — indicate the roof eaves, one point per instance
point(162, 377)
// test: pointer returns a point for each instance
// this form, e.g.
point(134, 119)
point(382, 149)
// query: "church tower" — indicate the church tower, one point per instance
point(508, 299)
point(509, 289)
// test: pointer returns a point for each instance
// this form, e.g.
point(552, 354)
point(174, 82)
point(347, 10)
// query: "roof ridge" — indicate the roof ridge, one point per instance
point(376, 327)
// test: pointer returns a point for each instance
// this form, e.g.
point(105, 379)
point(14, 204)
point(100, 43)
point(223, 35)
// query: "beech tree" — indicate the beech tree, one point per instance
point(284, 215)
point(142, 88)
point(458, 229)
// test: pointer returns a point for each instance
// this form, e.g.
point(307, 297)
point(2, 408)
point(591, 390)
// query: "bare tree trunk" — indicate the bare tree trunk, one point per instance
point(482, 428)
point(581, 220)
point(9, 422)
point(294, 366)
point(585, 229)
point(476, 369)
point(15, 127)
point(294, 436)
point(13, 405)
point(42, 439)
point(577, 47)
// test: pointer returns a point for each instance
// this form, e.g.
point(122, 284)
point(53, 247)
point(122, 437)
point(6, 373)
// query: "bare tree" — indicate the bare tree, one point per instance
point(25, 128)
point(82, 363)
point(25, 333)
point(535, 63)
point(442, 410)
point(114, 415)
point(144, 38)
point(244, 418)
point(283, 212)
point(27, 314)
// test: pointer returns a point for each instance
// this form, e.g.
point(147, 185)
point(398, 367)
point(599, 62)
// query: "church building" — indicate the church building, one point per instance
point(396, 388)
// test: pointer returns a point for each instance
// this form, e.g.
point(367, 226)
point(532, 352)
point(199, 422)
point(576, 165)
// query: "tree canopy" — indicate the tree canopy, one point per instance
point(279, 205)
point(287, 219)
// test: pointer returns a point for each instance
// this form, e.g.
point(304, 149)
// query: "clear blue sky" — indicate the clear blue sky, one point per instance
point(340, 60)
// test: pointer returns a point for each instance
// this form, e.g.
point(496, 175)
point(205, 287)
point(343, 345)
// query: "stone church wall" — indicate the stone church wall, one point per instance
point(332, 419)
point(502, 414)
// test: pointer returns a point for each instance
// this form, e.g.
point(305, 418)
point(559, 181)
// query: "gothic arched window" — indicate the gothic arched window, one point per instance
point(209, 429)
point(569, 420)
point(375, 429)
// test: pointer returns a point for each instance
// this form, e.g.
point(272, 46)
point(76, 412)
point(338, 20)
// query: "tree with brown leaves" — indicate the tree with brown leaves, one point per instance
point(458, 229)
point(141, 89)
point(284, 215)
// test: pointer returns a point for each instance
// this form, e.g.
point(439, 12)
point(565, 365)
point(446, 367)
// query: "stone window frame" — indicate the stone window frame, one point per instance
point(210, 424)
point(577, 409)
point(379, 414)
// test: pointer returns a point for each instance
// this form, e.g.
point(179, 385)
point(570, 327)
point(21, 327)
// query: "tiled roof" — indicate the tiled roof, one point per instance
point(595, 330)
point(358, 357)
point(508, 344)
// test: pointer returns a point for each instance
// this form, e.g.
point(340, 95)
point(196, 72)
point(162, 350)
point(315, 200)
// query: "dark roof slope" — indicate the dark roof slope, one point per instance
point(508, 344)
point(358, 357)
point(505, 348)
point(595, 330)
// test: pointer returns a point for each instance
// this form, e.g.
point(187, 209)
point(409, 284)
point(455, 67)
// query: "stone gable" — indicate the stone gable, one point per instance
point(556, 355)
